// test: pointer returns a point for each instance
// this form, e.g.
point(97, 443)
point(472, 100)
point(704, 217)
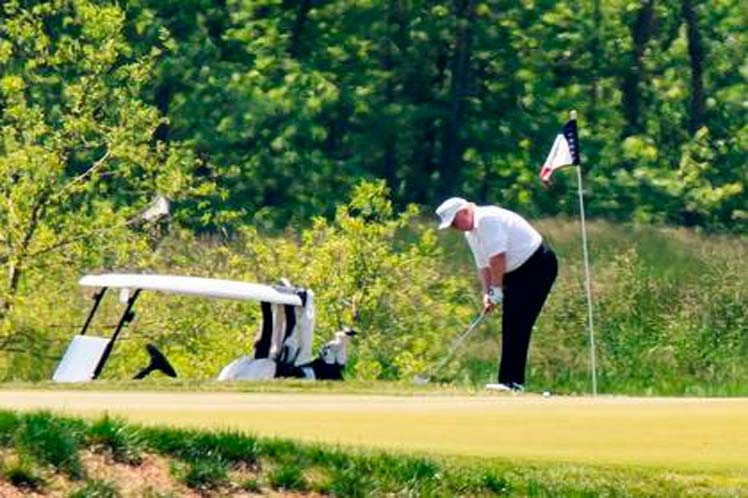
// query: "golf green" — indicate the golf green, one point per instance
point(678, 433)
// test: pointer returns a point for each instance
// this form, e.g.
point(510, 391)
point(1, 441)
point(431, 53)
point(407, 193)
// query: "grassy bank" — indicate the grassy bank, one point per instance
point(106, 457)
point(683, 434)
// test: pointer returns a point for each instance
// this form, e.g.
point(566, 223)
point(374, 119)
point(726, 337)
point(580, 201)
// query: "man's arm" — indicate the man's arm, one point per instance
point(497, 268)
point(492, 276)
point(484, 274)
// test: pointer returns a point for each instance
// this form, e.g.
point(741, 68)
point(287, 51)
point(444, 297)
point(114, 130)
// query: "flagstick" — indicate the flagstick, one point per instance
point(587, 283)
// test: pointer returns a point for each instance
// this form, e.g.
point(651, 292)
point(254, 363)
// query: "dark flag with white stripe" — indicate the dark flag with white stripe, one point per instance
point(565, 151)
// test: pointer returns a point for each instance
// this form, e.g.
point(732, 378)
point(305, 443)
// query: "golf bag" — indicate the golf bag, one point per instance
point(283, 347)
point(330, 363)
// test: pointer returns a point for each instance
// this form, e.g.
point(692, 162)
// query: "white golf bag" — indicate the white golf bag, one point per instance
point(283, 347)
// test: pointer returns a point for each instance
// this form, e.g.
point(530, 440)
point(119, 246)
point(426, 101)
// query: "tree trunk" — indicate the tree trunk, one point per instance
point(696, 57)
point(18, 260)
point(396, 35)
point(162, 98)
point(302, 14)
point(641, 31)
point(452, 146)
point(597, 57)
point(425, 157)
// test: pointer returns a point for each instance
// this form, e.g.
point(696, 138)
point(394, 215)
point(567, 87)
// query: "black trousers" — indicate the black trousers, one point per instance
point(525, 291)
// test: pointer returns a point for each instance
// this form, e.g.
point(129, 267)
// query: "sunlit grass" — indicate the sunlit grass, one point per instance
point(205, 458)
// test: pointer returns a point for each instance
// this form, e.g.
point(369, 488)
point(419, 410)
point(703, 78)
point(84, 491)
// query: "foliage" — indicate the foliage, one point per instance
point(371, 271)
point(291, 102)
point(78, 159)
point(668, 304)
point(666, 311)
point(368, 267)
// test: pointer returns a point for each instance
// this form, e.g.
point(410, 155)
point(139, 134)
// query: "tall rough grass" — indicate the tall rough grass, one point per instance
point(669, 309)
point(669, 304)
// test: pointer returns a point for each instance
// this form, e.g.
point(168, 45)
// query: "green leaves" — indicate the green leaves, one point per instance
point(78, 158)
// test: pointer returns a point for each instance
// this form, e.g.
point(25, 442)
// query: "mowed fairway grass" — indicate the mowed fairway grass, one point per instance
point(704, 435)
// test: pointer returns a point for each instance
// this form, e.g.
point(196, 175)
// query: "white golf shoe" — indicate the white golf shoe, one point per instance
point(498, 387)
point(517, 388)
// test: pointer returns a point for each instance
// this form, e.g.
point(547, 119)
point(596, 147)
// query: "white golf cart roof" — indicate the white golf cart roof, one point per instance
point(195, 286)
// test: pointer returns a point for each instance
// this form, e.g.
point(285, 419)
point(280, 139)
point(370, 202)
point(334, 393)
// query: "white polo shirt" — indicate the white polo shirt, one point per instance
point(496, 230)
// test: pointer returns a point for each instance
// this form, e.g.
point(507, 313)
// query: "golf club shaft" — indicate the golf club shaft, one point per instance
point(458, 342)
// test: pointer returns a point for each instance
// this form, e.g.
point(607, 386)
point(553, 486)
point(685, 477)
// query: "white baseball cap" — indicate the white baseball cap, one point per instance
point(448, 209)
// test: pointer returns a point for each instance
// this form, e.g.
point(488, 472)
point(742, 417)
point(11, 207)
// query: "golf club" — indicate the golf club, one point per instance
point(425, 378)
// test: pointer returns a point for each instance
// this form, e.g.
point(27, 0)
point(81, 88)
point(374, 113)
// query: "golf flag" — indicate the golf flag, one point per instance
point(565, 151)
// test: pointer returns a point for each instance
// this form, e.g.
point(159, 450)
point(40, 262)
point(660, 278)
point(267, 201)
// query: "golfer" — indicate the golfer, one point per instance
point(516, 270)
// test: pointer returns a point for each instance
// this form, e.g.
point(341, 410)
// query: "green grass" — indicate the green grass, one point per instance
point(682, 434)
point(96, 489)
point(390, 388)
point(289, 465)
point(206, 473)
point(23, 475)
point(288, 476)
point(250, 485)
point(115, 437)
point(474, 367)
point(51, 440)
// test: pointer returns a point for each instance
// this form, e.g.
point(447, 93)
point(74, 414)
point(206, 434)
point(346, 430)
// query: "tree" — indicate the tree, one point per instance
point(641, 30)
point(696, 56)
point(78, 159)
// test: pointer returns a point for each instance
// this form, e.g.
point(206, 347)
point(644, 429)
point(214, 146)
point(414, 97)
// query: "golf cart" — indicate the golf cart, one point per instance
point(283, 349)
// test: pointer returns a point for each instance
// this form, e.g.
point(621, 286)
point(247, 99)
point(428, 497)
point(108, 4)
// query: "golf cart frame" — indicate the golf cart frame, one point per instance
point(285, 340)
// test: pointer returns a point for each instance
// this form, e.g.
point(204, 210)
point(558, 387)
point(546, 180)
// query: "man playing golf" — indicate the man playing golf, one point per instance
point(516, 270)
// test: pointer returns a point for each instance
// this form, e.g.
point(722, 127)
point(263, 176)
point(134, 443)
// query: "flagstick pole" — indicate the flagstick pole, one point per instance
point(590, 325)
